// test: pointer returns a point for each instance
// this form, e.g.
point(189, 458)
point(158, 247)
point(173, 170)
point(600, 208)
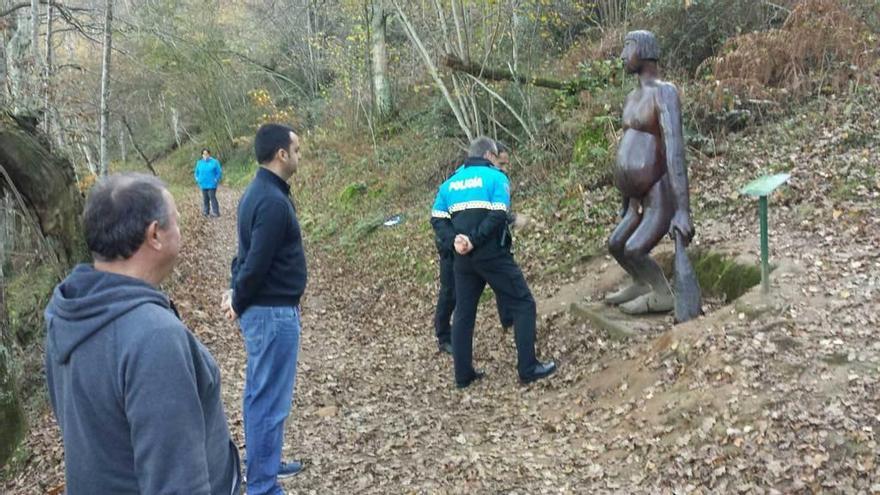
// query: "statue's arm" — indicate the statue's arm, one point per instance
point(669, 105)
point(673, 143)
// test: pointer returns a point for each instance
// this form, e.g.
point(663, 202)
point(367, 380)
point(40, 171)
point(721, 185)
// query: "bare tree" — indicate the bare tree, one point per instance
point(19, 59)
point(123, 150)
point(147, 160)
point(382, 103)
point(35, 32)
point(105, 88)
point(49, 114)
point(464, 37)
point(411, 33)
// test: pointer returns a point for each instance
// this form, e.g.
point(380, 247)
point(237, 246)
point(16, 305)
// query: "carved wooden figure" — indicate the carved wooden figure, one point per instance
point(652, 176)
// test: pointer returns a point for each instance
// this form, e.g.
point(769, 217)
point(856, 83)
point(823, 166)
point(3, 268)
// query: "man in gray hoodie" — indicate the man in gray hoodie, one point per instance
point(136, 395)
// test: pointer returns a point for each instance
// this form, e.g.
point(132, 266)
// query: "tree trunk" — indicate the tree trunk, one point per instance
point(35, 33)
point(313, 75)
point(19, 57)
point(456, 64)
point(382, 103)
point(48, 115)
point(86, 150)
point(4, 91)
point(105, 88)
point(122, 148)
point(147, 160)
point(175, 125)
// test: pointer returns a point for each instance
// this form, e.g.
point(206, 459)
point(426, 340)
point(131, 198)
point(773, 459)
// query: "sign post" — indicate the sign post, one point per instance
point(762, 187)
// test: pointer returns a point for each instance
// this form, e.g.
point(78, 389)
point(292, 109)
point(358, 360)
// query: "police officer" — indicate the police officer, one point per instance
point(469, 216)
point(446, 295)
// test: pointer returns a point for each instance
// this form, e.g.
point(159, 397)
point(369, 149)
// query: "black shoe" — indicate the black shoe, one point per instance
point(289, 469)
point(445, 347)
point(507, 326)
point(478, 375)
point(542, 370)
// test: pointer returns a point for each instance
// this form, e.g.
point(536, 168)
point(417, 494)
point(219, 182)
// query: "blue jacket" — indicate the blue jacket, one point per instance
point(136, 395)
point(474, 202)
point(208, 173)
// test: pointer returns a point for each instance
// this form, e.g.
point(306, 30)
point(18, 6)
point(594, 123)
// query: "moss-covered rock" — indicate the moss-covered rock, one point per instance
point(26, 297)
point(47, 185)
point(720, 276)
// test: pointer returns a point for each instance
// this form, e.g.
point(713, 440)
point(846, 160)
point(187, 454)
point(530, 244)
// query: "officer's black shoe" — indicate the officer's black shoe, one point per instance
point(445, 347)
point(478, 375)
point(542, 370)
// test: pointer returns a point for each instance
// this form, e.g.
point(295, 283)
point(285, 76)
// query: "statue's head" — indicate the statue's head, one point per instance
point(639, 46)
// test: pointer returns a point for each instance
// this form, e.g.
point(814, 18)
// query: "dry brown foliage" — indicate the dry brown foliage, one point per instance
point(820, 45)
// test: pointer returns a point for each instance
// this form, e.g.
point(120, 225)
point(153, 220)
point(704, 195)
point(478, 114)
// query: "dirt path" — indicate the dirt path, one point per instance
point(375, 410)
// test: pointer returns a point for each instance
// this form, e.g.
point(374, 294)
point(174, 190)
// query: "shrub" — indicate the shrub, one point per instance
point(819, 37)
point(691, 32)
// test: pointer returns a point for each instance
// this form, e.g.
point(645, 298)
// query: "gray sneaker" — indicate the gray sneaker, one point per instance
point(290, 469)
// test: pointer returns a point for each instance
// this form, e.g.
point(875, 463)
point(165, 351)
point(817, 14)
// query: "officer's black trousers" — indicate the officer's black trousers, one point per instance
point(507, 281)
point(445, 300)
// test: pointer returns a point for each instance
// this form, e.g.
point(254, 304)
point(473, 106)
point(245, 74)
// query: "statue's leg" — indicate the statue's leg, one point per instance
point(616, 246)
point(656, 217)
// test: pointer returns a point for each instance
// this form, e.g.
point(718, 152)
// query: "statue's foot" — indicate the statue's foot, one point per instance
point(652, 302)
point(627, 293)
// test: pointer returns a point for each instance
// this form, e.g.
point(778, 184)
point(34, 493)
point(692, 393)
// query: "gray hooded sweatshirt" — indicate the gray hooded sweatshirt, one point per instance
point(136, 395)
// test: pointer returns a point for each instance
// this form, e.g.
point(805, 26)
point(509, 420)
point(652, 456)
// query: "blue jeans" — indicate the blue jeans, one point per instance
point(271, 336)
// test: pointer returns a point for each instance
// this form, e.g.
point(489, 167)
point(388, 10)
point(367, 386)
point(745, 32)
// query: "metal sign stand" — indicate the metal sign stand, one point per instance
point(762, 187)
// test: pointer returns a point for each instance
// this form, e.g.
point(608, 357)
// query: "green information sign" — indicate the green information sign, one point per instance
point(762, 187)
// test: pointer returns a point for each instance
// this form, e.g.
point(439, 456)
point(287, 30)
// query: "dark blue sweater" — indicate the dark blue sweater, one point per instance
point(270, 268)
point(136, 395)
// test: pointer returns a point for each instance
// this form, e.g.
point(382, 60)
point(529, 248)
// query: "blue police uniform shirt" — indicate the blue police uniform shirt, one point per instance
point(472, 187)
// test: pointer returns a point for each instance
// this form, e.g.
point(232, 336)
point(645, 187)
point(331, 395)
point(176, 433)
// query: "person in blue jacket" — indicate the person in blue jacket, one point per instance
point(469, 217)
point(208, 174)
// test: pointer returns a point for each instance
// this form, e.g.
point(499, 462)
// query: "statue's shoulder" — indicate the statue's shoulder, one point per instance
point(665, 91)
point(662, 86)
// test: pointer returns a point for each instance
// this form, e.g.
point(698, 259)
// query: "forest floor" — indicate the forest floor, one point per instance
point(776, 394)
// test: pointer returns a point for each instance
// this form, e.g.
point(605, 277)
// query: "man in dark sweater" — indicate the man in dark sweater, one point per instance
point(137, 397)
point(268, 280)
